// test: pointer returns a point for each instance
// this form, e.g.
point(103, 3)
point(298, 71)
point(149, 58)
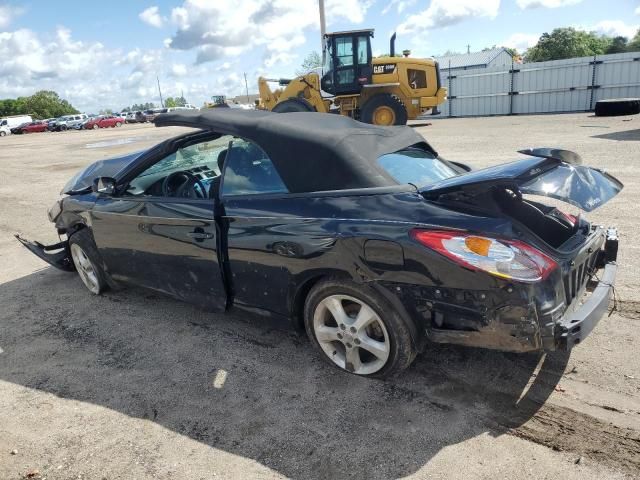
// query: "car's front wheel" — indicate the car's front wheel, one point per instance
point(356, 329)
point(87, 261)
point(96, 126)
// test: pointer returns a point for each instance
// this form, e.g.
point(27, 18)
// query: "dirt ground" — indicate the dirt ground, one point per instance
point(135, 385)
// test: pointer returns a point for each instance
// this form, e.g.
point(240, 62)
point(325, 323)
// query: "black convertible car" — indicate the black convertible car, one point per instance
point(363, 235)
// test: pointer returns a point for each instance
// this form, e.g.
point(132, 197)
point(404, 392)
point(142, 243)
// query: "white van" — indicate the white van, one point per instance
point(15, 121)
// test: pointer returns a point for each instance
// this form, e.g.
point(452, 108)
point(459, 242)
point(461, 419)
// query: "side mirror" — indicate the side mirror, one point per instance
point(104, 185)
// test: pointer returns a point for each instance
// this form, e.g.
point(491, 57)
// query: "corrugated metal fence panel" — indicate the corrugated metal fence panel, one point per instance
point(543, 87)
point(618, 76)
point(556, 86)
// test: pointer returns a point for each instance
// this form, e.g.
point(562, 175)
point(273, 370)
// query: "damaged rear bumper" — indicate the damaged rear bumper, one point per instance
point(57, 255)
point(575, 326)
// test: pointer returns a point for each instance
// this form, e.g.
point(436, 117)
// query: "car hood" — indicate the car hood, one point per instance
point(549, 172)
point(109, 167)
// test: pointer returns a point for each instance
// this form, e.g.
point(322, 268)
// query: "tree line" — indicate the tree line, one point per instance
point(568, 42)
point(40, 105)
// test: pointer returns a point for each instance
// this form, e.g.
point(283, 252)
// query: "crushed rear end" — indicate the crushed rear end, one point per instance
point(557, 310)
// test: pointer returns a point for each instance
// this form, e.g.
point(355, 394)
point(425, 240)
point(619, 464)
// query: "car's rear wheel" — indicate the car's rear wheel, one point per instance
point(2, 134)
point(357, 330)
point(118, 124)
point(96, 126)
point(86, 259)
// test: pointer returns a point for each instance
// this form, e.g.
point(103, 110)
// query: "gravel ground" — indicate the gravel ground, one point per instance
point(135, 385)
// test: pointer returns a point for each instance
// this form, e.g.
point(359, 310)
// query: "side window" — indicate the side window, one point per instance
point(417, 78)
point(248, 170)
point(199, 161)
point(362, 51)
point(344, 51)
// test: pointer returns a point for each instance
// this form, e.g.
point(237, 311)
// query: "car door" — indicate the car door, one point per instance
point(256, 237)
point(165, 243)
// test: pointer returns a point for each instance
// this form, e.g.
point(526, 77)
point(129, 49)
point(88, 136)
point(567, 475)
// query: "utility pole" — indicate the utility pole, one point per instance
point(323, 28)
point(160, 92)
point(246, 87)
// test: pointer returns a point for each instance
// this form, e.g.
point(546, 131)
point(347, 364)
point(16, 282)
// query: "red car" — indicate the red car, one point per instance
point(32, 127)
point(104, 122)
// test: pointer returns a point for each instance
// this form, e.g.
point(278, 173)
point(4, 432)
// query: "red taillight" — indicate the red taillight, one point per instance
point(511, 259)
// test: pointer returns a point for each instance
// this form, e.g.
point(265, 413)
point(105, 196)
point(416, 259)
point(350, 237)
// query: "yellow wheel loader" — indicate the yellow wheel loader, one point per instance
point(384, 91)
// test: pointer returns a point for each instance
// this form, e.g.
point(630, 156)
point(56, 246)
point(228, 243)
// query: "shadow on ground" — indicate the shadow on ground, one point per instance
point(622, 136)
point(151, 357)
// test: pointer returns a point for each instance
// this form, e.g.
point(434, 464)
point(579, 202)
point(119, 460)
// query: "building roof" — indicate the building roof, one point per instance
point(311, 151)
point(468, 60)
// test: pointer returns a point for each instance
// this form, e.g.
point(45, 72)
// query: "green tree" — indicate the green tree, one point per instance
point(617, 45)
point(42, 104)
point(170, 102)
point(634, 44)
point(567, 43)
point(312, 61)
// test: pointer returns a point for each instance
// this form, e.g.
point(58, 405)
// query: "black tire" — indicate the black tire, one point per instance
point(118, 124)
point(83, 240)
point(384, 101)
point(616, 107)
point(2, 134)
point(293, 105)
point(402, 349)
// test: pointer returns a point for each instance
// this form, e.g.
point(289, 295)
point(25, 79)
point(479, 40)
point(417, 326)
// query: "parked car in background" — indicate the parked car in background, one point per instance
point(38, 126)
point(153, 113)
point(374, 243)
point(104, 122)
point(67, 122)
point(32, 127)
point(14, 121)
point(17, 130)
point(4, 131)
point(135, 117)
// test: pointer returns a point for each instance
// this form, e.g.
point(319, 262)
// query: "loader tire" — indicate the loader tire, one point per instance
point(293, 105)
point(384, 109)
point(616, 107)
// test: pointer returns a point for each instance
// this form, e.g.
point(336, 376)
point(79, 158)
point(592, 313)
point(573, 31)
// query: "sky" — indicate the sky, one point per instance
point(101, 55)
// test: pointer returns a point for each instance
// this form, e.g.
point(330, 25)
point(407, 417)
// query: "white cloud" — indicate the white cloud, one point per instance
point(151, 16)
point(7, 14)
point(521, 41)
point(352, 10)
point(637, 12)
point(400, 5)
point(179, 70)
point(524, 4)
point(614, 28)
point(226, 28)
point(443, 13)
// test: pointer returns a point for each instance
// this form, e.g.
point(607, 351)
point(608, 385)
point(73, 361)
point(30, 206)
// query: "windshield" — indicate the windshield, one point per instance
point(416, 166)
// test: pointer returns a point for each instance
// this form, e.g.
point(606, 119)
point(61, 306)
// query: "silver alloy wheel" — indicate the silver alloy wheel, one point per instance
point(351, 334)
point(85, 269)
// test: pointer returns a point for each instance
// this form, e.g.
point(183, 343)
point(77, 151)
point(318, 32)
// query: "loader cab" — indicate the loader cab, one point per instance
point(347, 62)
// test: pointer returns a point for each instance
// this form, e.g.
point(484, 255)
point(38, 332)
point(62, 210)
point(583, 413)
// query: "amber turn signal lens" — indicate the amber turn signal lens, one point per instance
point(478, 245)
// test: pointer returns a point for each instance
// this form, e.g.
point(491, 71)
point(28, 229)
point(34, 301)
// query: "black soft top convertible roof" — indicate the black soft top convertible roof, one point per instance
point(311, 151)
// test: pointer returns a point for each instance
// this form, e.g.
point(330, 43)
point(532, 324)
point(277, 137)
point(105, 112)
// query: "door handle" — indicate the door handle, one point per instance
point(200, 235)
